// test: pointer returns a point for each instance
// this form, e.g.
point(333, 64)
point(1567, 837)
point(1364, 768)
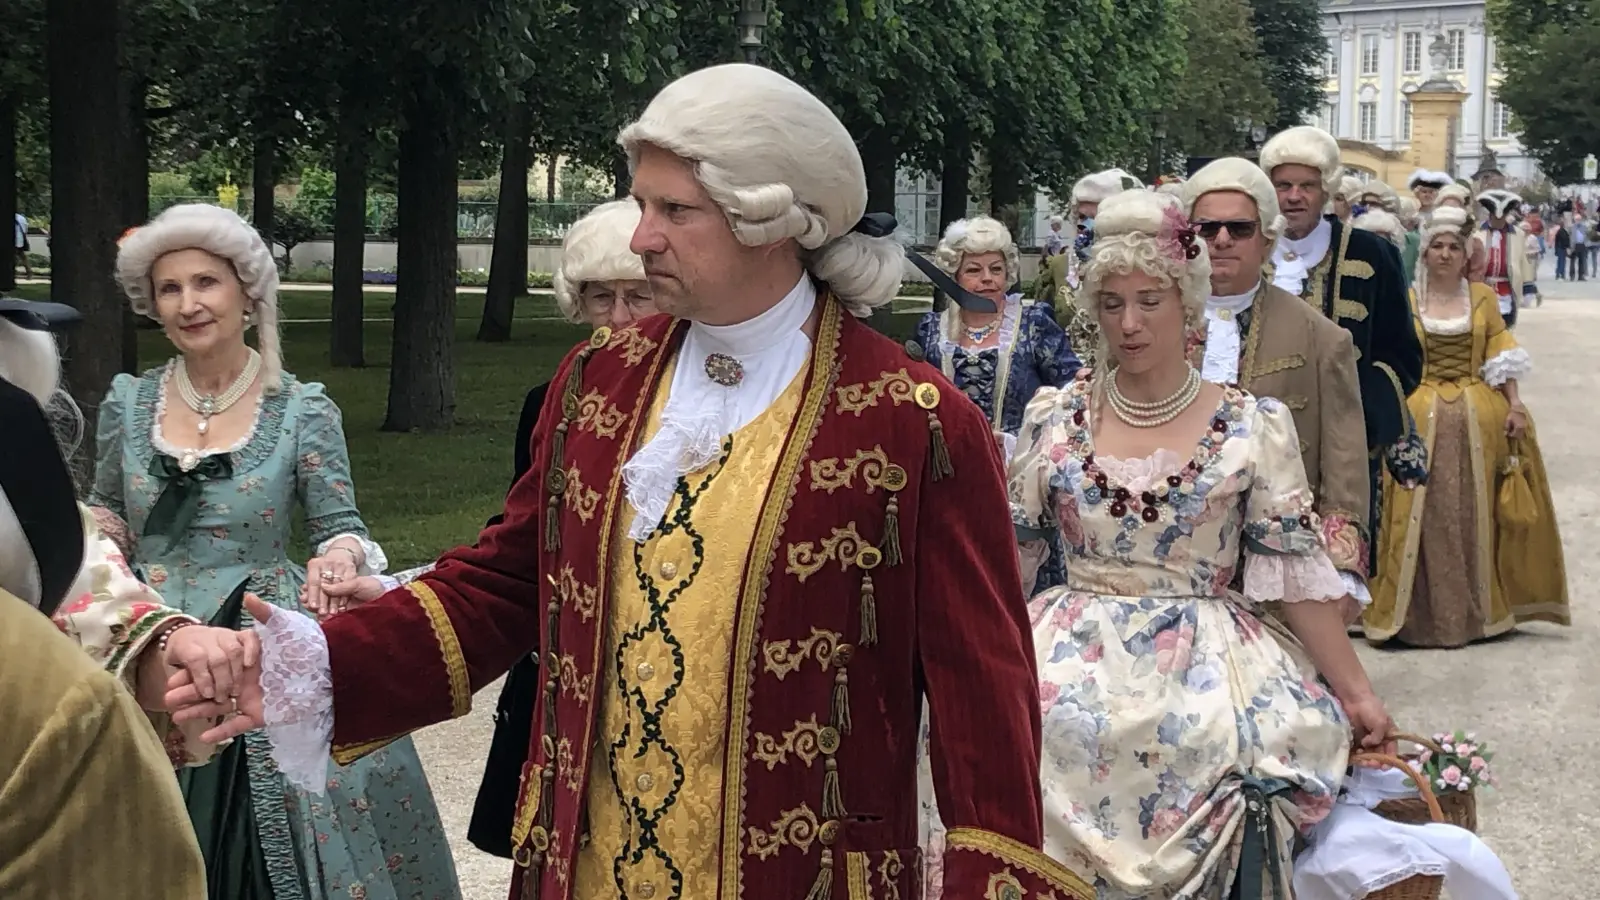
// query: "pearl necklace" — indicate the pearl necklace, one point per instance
point(1156, 413)
point(209, 405)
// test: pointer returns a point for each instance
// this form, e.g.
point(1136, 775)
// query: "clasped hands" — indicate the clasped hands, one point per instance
point(227, 695)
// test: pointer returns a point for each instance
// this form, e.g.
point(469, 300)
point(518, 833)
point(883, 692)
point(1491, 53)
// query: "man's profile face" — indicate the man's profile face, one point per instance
point(690, 253)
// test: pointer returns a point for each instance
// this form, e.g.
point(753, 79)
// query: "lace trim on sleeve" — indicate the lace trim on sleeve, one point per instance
point(1513, 364)
point(1291, 578)
point(297, 697)
point(376, 563)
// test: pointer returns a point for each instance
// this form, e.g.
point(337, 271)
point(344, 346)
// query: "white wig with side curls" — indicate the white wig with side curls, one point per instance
point(221, 233)
point(1241, 176)
point(979, 234)
point(596, 249)
point(1138, 231)
point(1305, 145)
point(1382, 222)
point(1445, 220)
point(781, 166)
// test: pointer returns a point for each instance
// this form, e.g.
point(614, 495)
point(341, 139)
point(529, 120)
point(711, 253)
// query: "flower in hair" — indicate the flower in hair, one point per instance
point(1177, 237)
point(125, 235)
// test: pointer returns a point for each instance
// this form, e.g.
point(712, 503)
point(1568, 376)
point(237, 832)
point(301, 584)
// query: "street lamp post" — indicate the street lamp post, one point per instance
point(751, 20)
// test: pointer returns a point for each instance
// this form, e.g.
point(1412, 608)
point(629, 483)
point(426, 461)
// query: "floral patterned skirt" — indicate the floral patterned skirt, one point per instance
point(1155, 713)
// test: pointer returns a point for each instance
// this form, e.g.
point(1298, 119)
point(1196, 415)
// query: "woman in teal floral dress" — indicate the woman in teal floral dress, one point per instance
point(208, 461)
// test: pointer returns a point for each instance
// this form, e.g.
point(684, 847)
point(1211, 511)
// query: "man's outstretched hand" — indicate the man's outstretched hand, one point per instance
point(235, 715)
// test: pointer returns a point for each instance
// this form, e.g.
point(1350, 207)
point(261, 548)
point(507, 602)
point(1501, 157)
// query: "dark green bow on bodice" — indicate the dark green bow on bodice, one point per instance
point(180, 499)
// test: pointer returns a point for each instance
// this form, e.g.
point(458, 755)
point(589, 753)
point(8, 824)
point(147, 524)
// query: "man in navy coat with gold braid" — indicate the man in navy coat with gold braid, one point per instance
point(755, 535)
point(1357, 279)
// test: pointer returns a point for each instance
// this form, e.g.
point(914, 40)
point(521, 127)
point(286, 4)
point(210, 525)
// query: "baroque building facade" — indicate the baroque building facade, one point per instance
point(1379, 54)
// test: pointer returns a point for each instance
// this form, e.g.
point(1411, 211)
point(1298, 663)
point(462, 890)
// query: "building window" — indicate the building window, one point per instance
point(1330, 116)
point(1405, 120)
point(1499, 120)
point(1368, 126)
point(1330, 63)
point(1369, 54)
point(1458, 50)
point(1412, 61)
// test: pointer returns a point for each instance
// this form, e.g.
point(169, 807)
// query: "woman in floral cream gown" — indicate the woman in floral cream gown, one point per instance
point(204, 463)
point(1185, 735)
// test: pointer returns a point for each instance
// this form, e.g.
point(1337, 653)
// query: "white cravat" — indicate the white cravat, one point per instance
point(771, 349)
point(1293, 260)
point(1222, 335)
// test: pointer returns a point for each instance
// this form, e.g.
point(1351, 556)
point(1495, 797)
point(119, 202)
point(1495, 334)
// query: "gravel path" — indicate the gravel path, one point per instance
point(1533, 695)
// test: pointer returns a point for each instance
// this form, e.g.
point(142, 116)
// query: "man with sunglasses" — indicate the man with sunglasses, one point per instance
point(1357, 279)
point(1267, 341)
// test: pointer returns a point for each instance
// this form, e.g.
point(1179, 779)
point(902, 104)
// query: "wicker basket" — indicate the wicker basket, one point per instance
point(1460, 807)
point(1417, 887)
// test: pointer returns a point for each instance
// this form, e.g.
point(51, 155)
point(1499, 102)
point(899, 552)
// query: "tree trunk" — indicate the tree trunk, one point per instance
point(137, 209)
point(88, 165)
point(508, 266)
point(955, 186)
point(347, 339)
point(263, 187)
point(1008, 190)
point(8, 185)
point(621, 175)
point(422, 371)
point(881, 160)
point(550, 179)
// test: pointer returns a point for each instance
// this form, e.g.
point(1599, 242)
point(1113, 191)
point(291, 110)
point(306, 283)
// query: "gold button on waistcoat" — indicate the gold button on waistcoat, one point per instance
point(645, 671)
point(645, 889)
point(644, 782)
point(669, 570)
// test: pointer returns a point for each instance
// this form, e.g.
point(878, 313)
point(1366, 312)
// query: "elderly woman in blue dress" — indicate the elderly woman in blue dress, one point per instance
point(204, 463)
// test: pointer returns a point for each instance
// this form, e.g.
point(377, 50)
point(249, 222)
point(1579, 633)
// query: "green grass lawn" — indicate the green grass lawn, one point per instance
point(377, 304)
point(423, 494)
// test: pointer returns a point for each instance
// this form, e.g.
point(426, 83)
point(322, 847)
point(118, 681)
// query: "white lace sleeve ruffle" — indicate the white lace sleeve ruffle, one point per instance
point(1356, 588)
point(376, 562)
point(297, 697)
point(1291, 578)
point(1508, 365)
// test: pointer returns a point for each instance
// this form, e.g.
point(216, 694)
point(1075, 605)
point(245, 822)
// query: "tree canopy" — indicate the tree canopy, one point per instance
point(1550, 81)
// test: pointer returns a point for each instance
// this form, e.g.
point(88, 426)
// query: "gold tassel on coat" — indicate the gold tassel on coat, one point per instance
point(869, 611)
point(841, 702)
point(832, 799)
point(941, 451)
point(891, 533)
point(822, 888)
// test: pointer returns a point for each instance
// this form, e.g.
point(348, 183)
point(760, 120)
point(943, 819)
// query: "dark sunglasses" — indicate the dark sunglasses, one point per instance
point(1240, 230)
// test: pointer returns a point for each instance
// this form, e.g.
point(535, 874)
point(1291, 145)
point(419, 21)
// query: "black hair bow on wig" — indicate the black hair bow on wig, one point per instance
point(880, 225)
point(35, 486)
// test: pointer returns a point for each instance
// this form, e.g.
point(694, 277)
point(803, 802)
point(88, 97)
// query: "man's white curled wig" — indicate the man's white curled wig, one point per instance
point(1388, 199)
point(1134, 232)
point(979, 234)
point(781, 165)
point(221, 233)
point(1453, 191)
point(1241, 176)
point(1383, 223)
point(596, 249)
point(1305, 145)
point(1101, 186)
point(1350, 189)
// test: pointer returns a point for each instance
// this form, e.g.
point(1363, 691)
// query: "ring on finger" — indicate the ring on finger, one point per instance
point(328, 575)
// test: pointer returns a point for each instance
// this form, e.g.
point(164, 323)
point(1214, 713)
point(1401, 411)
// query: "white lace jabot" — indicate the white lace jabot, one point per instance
point(1293, 260)
point(771, 348)
point(1222, 335)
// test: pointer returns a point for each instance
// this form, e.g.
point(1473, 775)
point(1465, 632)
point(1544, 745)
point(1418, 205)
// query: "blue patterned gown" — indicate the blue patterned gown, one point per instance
point(1033, 353)
point(375, 834)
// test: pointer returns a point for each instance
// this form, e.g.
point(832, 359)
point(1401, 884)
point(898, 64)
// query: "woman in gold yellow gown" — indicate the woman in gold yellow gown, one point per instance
point(1473, 552)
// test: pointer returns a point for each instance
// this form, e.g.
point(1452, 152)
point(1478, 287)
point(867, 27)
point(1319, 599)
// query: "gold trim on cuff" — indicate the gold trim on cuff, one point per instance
point(345, 754)
point(455, 663)
point(1015, 853)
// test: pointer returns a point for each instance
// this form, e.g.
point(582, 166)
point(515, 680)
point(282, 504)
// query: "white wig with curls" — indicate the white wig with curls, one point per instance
point(979, 234)
point(220, 232)
point(1305, 145)
point(596, 249)
point(1133, 232)
point(1241, 176)
point(781, 166)
point(1383, 223)
point(1444, 220)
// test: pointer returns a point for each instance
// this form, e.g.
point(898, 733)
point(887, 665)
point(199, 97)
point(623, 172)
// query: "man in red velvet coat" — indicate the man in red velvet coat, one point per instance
point(755, 535)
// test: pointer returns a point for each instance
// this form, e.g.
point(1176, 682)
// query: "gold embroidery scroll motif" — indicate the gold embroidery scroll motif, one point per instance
point(574, 593)
point(899, 387)
point(782, 657)
point(581, 498)
point(633, 345)
point(598, 415)
point(843, 545)
point(802, 740)
point(796, 828)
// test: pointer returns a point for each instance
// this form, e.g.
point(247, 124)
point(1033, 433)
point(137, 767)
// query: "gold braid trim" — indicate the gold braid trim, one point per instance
point(345, 754)
point(1400, 395)
point(1015, 853)
point(858, 879)
point(455, 664)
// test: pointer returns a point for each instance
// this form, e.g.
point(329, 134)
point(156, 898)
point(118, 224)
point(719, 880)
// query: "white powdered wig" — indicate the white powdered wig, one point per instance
point(1387, 198)
point(30, 360)
point(1453, 191)
point(1305, 145)
point(1444, 220)
point(1171, 189)
point(781, 165)
point(222, 233)
point(979, 234)
point(1100, 186)
point(1384, 223)
point(1349, 190)
point(1135, 232)
point(596, 249)
point(1241, 176)
point(1410, 209)
point(1426, 178)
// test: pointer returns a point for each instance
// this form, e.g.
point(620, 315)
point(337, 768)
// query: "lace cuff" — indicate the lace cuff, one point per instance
point(1355, 588)
point(376, 562)
point(1291, 578)
point(1508, 365)
point(297, 697)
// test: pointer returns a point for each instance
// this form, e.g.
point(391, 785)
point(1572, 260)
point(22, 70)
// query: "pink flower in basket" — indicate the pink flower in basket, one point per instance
point(1477, 764)
point(1451, 775)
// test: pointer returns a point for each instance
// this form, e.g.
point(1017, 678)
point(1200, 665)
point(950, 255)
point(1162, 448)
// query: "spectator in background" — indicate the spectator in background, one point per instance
point(1054, 242)
point(1579, 249)
point(1563, 246)
point(1594, 241)
point(21, 243)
